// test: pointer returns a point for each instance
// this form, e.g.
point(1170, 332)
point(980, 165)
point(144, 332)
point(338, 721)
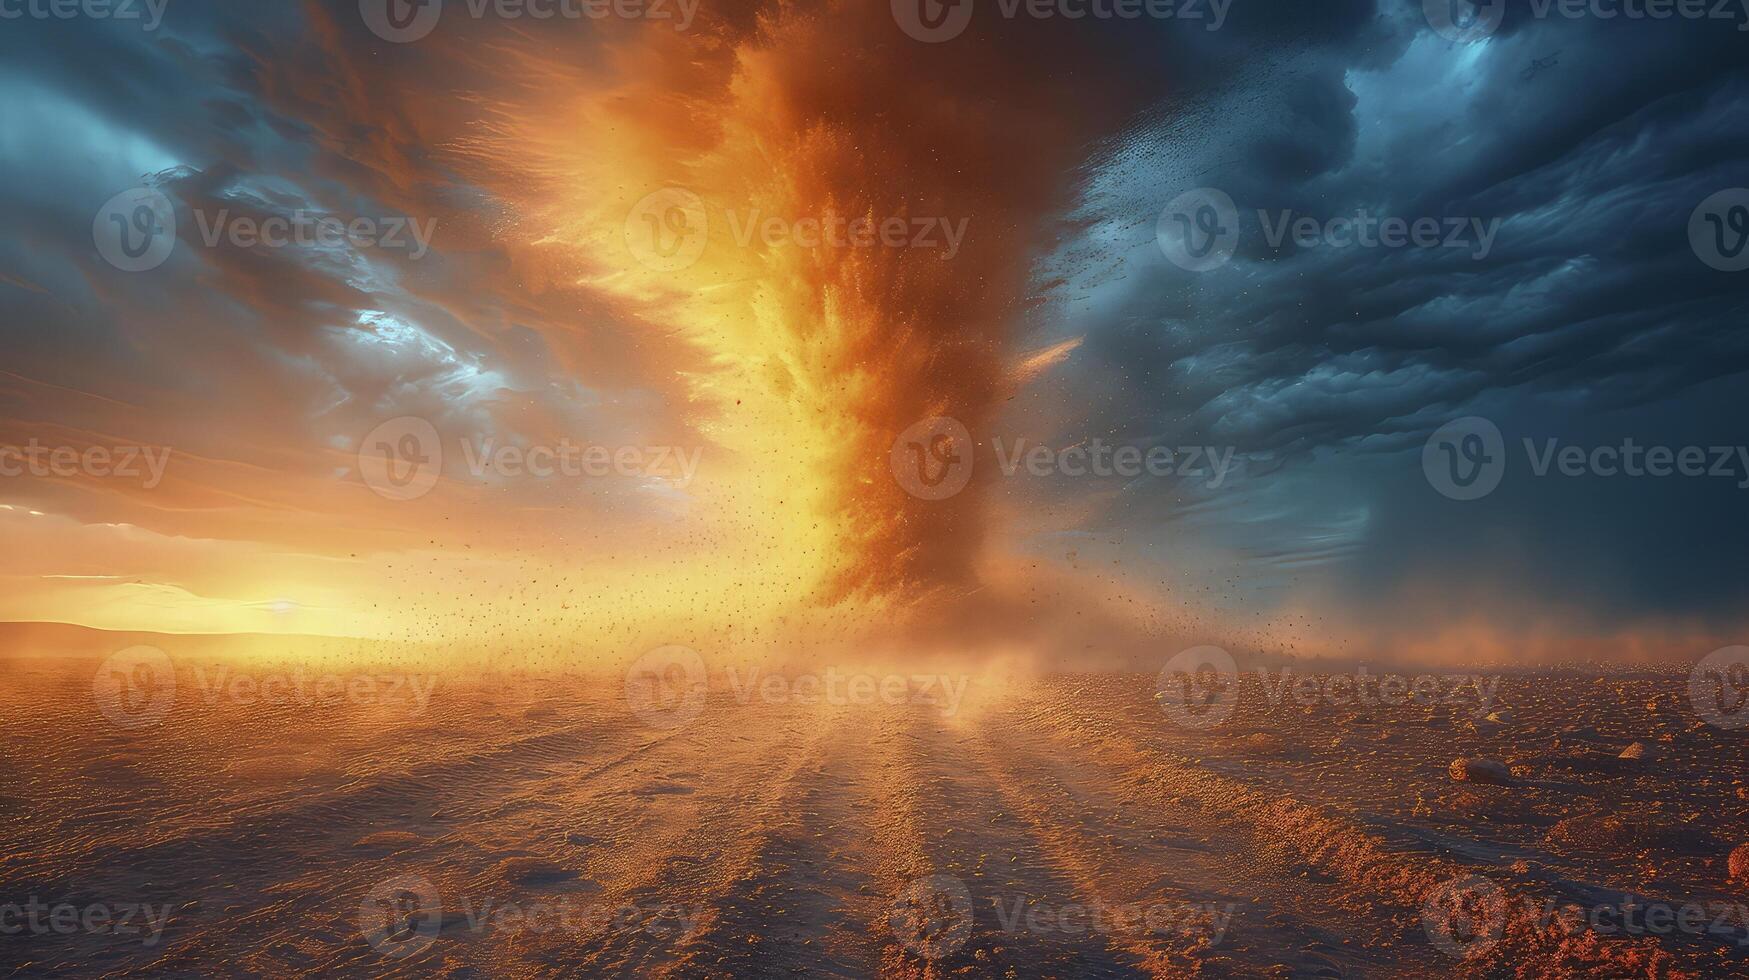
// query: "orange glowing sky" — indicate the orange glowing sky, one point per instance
point(787, 368)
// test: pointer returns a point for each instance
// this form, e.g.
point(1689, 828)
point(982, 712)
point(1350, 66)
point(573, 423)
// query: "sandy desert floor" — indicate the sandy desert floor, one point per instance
point(1056, 827)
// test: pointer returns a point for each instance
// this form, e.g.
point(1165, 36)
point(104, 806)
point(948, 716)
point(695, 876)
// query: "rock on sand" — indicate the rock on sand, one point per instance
point(1491, 771)
point(1640, 752)
point(1738, 865)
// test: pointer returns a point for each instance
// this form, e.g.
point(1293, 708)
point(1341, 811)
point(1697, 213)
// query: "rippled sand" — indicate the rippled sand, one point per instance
point(1063, 826)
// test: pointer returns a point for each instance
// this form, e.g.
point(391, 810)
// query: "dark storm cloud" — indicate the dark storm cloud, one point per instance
point(281, 357)
point(1585, 144)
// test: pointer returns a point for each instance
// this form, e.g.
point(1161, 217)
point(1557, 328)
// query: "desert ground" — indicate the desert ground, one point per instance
point(549, 824)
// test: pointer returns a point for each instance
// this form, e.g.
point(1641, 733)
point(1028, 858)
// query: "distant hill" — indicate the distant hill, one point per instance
point(71, 640)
